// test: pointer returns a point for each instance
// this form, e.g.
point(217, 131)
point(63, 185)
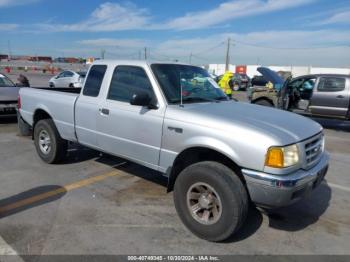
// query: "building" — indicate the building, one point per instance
point(4, 57)
point(41, 59)
point(251, 70)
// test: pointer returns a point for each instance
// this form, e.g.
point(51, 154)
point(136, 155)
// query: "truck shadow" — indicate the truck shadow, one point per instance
point(5, 120)
point(134, 169)
point(302, 214)
point(29, 199)
point(250, 226)
point(336, 124)
point(77, 153)
point(254, 218)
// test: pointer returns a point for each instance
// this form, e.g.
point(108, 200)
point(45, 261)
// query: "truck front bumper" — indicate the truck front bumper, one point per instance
point(272, 191)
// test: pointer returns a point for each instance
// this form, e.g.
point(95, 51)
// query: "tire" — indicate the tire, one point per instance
point(263, 102)
point(56, 146)
point(230, 194)
point(236, 87)
point(23, 128)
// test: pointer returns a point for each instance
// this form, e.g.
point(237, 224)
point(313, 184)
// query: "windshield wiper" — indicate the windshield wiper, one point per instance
point(193, 99)
point(221, 98)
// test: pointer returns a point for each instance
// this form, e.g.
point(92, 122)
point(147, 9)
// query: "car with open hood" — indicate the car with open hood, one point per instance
point(320, 95)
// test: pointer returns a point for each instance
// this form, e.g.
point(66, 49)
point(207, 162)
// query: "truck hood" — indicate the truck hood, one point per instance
point(9, 93)
point(270, 75)
point(282, 127)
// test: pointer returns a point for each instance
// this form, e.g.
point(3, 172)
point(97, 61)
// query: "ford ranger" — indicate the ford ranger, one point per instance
point(219, 155)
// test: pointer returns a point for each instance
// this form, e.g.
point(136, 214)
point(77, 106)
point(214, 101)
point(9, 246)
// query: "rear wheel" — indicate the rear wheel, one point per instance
point(211, 200)
point(263, 102)
point(48, 143)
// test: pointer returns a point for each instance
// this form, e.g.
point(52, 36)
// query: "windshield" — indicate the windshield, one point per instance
point(5, 82)
point(194, 83)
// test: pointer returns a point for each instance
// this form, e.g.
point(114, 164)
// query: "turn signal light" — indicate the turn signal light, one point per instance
point(274, 157)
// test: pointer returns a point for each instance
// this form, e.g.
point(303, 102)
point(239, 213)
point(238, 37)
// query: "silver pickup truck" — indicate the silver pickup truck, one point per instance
point(219, 155)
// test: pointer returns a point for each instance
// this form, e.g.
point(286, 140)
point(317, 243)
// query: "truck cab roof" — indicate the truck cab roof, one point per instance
point(134, 62)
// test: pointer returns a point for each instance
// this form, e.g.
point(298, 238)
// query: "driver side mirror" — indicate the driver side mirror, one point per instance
point(142, 99)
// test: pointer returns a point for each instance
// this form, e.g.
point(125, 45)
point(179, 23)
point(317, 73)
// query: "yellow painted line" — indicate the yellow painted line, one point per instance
point(66, 188)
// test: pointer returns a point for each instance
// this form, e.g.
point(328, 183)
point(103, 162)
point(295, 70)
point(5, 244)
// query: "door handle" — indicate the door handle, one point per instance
point(340, 96)
point(104, 111)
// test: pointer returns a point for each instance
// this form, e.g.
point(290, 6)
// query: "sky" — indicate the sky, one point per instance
point(265, 32)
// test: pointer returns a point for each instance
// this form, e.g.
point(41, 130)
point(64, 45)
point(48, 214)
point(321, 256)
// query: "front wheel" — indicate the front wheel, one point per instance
point(48, 143)
point(236, 87)
point(211, 200)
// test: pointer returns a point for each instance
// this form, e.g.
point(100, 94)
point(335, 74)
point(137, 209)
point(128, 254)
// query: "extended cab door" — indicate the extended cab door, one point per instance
point(86, 108)
point(331, 97)
point(126, 130)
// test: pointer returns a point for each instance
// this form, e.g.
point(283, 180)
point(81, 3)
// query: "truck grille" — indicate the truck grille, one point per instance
point(313, 149)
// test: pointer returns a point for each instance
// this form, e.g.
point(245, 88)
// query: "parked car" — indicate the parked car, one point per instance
point(322, 95)
point(136, 110)
point(8, 96)
point(258, 81)
point(238, 81)
point(68, 79)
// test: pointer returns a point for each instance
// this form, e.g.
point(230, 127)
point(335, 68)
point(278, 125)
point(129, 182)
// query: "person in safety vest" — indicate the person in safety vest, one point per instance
point(224, 83)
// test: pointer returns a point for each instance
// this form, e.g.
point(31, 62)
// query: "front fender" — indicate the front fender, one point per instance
point(214, 144)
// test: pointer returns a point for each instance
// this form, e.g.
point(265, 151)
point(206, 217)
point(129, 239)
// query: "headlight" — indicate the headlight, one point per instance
point(280, 157)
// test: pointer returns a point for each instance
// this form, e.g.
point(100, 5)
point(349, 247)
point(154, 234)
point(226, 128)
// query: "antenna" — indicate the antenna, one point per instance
point(181, 104)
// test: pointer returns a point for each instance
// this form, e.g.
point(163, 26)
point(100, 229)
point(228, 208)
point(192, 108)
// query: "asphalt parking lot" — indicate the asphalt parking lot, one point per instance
point(98, 204)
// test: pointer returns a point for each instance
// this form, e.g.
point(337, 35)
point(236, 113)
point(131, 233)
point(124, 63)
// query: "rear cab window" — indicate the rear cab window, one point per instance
point(331, 84)
point(94, 80)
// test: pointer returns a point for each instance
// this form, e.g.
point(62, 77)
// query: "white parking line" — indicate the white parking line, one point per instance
point(6, 249)
point(338, 186)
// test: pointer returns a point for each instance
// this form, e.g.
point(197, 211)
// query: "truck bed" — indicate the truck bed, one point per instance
point(59, 103)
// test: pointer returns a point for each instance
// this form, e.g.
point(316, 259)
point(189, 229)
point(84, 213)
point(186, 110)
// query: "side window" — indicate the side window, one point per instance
point(309, 84)
point(68, 74)
point(61, 74)
point(331, 84)
point(296, 83)
point(94, 80)
point(128, 80)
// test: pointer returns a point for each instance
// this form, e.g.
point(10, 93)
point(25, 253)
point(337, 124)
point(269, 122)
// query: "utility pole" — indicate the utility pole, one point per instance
point(191, 58)
point(145, 53)
point(227, 62)
point(103, 52)
point(9, 49)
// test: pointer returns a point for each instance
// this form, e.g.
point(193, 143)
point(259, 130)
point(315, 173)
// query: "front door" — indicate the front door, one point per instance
point(331, 97)
point(126, 130)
